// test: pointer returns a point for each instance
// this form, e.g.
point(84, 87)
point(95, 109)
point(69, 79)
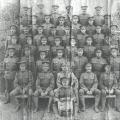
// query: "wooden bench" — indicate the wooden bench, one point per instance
point(107, 97)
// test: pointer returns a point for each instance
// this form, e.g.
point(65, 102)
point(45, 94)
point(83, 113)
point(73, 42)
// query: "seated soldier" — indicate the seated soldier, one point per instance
point(61, 26)
point(37, 38)
point(10, 67)
point(90, 29)
point(57, 45)
point(108, 86)
point(98, 37)
point(64, 99)
point(45, 84)
point(88, 86)
point(23, 84)
point(82, 36)
point(47, 26)
point(80, 60)
point(67, 72)
point(89, 49)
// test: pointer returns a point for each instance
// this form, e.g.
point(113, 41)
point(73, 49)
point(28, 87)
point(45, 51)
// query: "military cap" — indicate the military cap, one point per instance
point(25, 8)
point(98, 8)
point(80, 49)
point(114, 48)
point(41, 6)
point(69, 7)
point(107, 16)
point(98, 27)
point(61, 17)
point(88, 65)
point(64, 79)
point(47, 15)
point(75, 16)
point(45, 63)
point(67, 28)
point(22, 61)
point(27, 48)
point(57, 38)
point(11, 47)
point(44, 38)
point(82, 27)
point(114, 26)
point(13, 26)
point(55, 6)
point(84, 7)
point(91, 18)
point(60, 49)
point(98, 50)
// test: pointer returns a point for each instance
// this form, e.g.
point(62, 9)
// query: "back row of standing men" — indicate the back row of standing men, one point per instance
point(47, 48)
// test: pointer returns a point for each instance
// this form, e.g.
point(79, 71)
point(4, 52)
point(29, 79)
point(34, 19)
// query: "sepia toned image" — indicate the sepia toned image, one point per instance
point(60, 60)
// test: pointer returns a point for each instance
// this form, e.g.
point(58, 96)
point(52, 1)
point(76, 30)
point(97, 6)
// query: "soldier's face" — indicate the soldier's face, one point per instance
point(29, 40)
point(27, 52)
point(47, 19)
point(67, 31)
point(53, 31)
point(26, 30)
point(89, 41)
point(88, 68)
point(22, 67)
point(44, 41)
point(40, 30)
point(114, 52)
point(57, 42)
point(64, 68)
point(42, 55)
point(65, 83)
point(13, 30)
point(73, 42)
point(90, 22)
point(107, 68)
point(60, 54)
point(75, 20)
point(61, 21)
point(98, 30)
point(83, 29)
point(84, 11)
point(80, 52)
point(11, 53)
point(98, 54)
point(45, 68)
point(113, 29)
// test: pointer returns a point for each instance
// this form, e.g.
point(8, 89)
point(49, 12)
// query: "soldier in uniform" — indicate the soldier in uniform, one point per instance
point(57, 62)
point(90, 29)
point(67, 72)
point(55, 15)
point(23, 83)
point(40, 61)
point(79, 62)
point(56, 46)
point(40, 14)
point(45, 84)
point(108, 85)
point(98, 37)
point(61, 26)
point(75, 25)
point(106, 25)
point(88, 85)
point(34, 25)
point(98, 62)
point(62, 95)
point(89, 49)
point(82, 36)
point(47, 26)
point(10, 67)
point(84, 16)
point(37, 38)
point(115, 62)
point(71, 50)
point(99, 19)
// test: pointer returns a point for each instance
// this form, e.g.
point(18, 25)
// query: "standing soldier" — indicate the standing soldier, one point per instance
point(115, 62)
point(57, 62)
point(40, 14)
point(108, 85)
point(75, 25)
point(37, 38)
point(55, 15)
point(84, 16)
point(61, 26)
point(23, 84)
point(45, 84)
point(10, 66)
point(98, 37)
point(47, 26)
point(99, 19)
point(89, 49)
point(81, 37)
point(88, 85)
point(106, 25)
point(90, 29)
point(98, 62)
point(79, 62)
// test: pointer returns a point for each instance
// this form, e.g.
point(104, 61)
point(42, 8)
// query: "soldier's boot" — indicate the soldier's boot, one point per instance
point(55, 110)
point(103, 101)
point(76, 111)
point(18, 105)
point(49, 104)
point(36, 99)
point(117, 101)
point(97, 100)
point(82, 99)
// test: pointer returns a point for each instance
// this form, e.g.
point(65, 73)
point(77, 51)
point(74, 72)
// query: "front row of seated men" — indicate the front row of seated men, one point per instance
point(66, 87)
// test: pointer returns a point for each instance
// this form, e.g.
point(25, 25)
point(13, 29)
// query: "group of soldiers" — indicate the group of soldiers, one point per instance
point(63, 57)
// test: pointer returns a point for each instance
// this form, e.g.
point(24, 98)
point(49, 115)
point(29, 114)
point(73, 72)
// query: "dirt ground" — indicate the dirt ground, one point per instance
point(7, 112)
